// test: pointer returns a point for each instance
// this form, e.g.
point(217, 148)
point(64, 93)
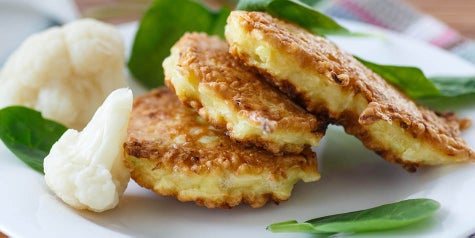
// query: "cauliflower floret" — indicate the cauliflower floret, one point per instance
point(67, 72)
point(86, 169)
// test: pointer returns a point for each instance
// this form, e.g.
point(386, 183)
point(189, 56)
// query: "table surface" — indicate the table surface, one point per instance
point(459, 14)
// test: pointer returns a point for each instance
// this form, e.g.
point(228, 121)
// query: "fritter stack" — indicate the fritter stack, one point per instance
point(237, 123)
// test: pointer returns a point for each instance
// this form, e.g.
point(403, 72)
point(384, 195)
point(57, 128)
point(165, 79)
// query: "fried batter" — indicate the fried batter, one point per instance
point(327, 81)
point(174, 152)
point(229, 96)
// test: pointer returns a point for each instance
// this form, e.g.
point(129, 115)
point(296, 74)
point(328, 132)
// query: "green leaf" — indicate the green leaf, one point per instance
point(293, 226)
point(161, 26)
point(297, 12)
point(311, 2)
point(454, 86)
point(385, 217)
point(411, 80)
point(28, 135)
point(217, 28)
point(414, 83)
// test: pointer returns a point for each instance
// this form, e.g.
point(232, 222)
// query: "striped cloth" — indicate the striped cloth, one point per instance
point(401, 17)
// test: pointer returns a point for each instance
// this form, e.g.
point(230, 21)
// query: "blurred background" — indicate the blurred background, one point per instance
point(446, 24)
point(458, 14)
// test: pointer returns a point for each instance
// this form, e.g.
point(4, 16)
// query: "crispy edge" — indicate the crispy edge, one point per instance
point(145, 157)
point(205, 61)
point(318, 55)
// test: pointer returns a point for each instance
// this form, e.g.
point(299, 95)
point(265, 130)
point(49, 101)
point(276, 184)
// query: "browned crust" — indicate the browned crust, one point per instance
point(158, 119)
point(144, 177)
point(385, 103)
point(207, 60)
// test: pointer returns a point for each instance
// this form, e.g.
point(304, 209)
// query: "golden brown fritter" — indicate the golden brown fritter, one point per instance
point(229, 96)
point(327, 81)
point(174, 152)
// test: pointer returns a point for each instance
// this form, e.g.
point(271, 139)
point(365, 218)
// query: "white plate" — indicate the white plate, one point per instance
point(352, 178)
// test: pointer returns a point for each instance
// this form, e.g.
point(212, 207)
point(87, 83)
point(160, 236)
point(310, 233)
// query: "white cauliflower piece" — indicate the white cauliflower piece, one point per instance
point(67, 72)
point(86, 169)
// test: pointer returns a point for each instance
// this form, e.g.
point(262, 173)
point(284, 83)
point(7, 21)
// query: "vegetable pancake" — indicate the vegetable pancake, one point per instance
point(173, 151)
point(330, 82)
point(229, 96)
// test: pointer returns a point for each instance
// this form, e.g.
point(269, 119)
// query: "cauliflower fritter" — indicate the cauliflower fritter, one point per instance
point(327, 81)
point(174, 152)
point(230, 96)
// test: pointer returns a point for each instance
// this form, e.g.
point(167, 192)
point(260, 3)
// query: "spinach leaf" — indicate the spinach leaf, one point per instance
point(219, 23)
point(28, 135)
point(161, 26)
point(298, 12)
point(409, 79)
point(383, 217)
point(454, 86)
point(311, 2)
point(413, 81)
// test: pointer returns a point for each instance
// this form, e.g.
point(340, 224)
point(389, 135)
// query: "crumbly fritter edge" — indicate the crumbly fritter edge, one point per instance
point(440, 129)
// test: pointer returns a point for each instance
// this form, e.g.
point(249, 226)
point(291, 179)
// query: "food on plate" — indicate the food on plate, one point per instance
point(65, 72)
point(229, 96)
point(173, 151)
point(384, 217)
point(86, 169)
point(329, 82)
